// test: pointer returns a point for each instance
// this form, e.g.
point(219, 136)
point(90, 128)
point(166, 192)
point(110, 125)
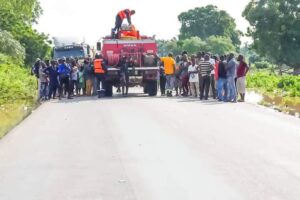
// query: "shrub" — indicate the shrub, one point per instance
point(290, 85)
point(15, 81)
point(263, 65)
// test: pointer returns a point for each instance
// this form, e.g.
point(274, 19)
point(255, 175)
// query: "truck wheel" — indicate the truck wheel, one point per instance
point(152, 88)
point(108, 89)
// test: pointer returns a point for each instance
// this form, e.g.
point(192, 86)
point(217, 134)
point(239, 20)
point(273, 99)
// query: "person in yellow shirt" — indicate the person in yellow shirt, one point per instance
point(169, 68)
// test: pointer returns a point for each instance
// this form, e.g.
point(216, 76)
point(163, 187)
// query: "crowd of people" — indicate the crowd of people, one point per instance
point(204, 75)
point(68, 77)
point(201, 76)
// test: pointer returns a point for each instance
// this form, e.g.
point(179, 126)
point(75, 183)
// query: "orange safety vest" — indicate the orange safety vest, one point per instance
point(122, 14)
point(98, 69)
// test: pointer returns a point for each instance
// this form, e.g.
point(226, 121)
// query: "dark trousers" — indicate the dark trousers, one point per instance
point(204, 86)
point(52, 90)
point(100, 81)
point(73, 86)
point(118, 23)
point(124, 80)
point(185, 84)
point(64, 84)
point(162, 84)
point(213, 85)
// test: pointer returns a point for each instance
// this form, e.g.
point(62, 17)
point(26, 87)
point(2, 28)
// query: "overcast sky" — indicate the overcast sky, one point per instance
point(93, 19)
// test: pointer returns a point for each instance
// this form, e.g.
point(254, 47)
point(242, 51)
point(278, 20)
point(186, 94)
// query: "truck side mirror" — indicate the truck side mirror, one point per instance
point(98, 46)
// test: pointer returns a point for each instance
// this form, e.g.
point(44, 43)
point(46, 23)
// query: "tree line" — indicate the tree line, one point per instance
point(274, 28)
point(18, 39)
point(20, 45)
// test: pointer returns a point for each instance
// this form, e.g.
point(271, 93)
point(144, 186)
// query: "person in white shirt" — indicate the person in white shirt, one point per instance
point(212, 78)
point(194, 77)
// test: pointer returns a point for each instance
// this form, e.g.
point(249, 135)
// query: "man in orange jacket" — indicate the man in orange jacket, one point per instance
point(120, 17)
point(99, 71)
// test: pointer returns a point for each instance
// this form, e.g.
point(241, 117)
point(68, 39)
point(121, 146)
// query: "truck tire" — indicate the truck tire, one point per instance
point(152, 88)
point(108, 89)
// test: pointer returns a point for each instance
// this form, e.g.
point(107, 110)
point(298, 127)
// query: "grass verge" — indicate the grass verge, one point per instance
point(13, 113)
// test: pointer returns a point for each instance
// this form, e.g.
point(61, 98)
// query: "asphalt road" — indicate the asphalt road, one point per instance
point(143, 148)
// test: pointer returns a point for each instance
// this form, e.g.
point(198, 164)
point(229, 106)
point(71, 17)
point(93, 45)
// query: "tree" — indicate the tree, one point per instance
point(11, 47)
point(28, 10)
point(193, 45)
point(207, 21)
point(17, 18)
point(169, 46)
point(219, 45)
point(275, 29)
point(214, 44)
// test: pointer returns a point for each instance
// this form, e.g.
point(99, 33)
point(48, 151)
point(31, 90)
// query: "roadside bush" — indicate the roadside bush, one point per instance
point(10, 46)
point(288, 85)
point(262, 65)
point(15, 81)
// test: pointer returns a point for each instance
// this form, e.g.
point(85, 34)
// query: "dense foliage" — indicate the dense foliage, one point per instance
point(17, 18)
point(219, 45)
point(262, 65)
point(208, 21)
point(281, 85)
point(215, 44)
point(15, 82)
point(11, 47)
point(275, 29)
point(20, 45)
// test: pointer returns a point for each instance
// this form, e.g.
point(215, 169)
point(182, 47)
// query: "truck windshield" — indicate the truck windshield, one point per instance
point(68, 52)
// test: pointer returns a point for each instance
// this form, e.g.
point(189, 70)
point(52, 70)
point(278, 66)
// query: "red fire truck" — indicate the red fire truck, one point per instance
point(142, 50)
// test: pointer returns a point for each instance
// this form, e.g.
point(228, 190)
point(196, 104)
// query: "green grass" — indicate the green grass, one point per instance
point(17, 93)
point(13, 113)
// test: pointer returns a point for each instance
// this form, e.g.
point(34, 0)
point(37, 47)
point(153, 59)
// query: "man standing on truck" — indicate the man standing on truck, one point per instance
point(169, 67)
point(120, 17)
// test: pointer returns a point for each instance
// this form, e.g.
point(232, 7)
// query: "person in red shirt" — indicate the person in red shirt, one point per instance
point(242, 71)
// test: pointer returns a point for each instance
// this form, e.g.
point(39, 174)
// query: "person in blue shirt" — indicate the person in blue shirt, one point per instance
point(231, 73)
point(64, 72)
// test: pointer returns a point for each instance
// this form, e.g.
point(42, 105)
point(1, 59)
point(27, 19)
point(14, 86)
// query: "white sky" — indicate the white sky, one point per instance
point(93, 19)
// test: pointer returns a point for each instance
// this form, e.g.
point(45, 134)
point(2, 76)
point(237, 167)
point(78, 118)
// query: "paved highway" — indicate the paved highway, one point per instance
point(144, 148)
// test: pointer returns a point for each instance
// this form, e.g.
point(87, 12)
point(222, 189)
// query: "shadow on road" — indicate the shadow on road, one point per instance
point(136, 93)
point(117, 96)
